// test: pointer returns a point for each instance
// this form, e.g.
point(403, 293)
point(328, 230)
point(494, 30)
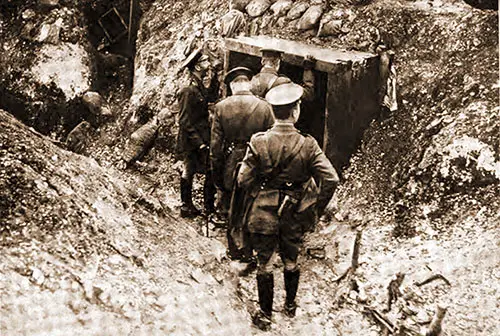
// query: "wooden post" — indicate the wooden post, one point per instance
point(130, 19)
point(337, 114)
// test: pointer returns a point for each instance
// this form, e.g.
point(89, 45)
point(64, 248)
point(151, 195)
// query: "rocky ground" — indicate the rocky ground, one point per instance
point(90, 249)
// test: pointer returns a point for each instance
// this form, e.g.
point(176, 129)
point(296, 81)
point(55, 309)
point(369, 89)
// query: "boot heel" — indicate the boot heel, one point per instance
point(262, 321)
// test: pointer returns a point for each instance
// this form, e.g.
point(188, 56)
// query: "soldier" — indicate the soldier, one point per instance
point(304, 123)
point(194, 132)
point(236, 119)
point(262, 82)
point(281, 170)
point(268, 76)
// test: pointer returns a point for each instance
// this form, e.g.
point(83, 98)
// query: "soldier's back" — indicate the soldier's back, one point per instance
point(281, 142)
point(242, 115)
point(262, 83)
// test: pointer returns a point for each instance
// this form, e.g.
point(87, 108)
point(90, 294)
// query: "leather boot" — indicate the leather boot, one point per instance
point(188, 210)
point(265, 286)
point(291, 286)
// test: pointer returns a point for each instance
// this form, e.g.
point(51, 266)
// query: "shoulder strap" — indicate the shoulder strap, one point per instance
point(271, 83)
point(281, 164)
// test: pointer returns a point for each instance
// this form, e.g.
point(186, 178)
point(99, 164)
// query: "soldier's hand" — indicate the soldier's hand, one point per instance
point(309, 62)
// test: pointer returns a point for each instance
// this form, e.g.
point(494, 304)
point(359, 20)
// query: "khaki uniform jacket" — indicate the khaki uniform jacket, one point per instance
point(194, 127)
point(236, 119)
point(266, 150)
point(263, 81)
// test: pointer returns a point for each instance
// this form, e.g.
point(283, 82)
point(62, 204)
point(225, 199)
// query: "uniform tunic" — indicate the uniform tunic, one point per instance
point(194, 126)
point(236, 119)
point(265, 151)
point(263, 81)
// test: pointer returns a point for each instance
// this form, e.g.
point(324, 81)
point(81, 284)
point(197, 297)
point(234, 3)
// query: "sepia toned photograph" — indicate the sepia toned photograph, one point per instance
point(249, 167)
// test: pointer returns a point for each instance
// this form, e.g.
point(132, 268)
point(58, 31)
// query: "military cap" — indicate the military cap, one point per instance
point(193, 58)
point(268, 52)
point(285, 94)
point(236, 72)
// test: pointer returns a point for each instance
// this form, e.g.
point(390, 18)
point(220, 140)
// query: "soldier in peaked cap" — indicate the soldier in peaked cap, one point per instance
point(262, 82)
point(304, 123)
point(236, 119)
point(194, 132)
point(282, 169)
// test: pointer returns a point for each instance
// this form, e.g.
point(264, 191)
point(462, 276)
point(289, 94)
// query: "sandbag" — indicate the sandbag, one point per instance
point(310, 18)
point(257, 7)
point(297, 10)
point(232, 23)
point(281, 7)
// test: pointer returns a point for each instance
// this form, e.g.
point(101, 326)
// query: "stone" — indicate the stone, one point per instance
point(362, 297)
point(297, 10)
point(50, 33)
point(330, 28)
point(336, 22)
point(164, 115)
point(267, 21)
point(310, 18)
point(281, 22)
point(28, 14)
point(93, 101)
point(106, 111)
point(49, 3)
point(65, 65)
point(281, 7)
point(238, 4)
point(257, 7)
point(77, 139)
point(293, 23)
point(37, 276)
point(232, 23)
point(96, 104)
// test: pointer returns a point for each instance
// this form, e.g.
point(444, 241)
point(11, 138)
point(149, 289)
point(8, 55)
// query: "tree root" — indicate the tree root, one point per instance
point(435, 327)
point(354, 259)
point(355, 251)
point(393, 291)
point(432, 278)
point(381, 319)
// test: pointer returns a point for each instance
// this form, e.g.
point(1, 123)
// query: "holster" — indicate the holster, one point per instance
point(310, 192)
point(287, 204)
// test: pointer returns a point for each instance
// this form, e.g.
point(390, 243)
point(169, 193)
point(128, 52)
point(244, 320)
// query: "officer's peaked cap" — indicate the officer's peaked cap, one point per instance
point(236, 72)
point(285, 94)
point(268, 52)
point(193, 58)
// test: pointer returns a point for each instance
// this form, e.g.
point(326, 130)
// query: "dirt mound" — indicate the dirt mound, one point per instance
point(95, 251)
point(448, 112)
